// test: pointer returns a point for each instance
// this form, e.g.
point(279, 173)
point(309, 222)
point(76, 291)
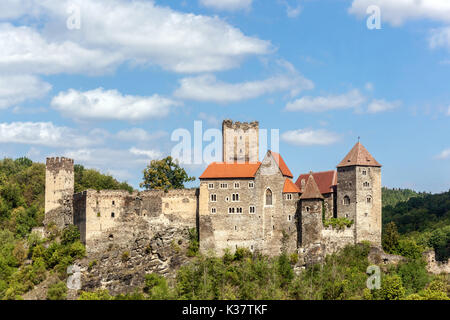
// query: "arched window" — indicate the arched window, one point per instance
point(112, 214)
point(346, 200)
point(268, 197)
point(369, 199)
point(366, 184)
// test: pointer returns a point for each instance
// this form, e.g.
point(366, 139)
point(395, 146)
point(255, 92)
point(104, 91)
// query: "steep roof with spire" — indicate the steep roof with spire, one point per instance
point(311, 190)
point(359, 156)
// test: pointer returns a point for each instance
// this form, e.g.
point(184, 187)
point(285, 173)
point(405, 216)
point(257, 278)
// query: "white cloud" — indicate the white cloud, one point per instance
point(138, 134)
point(43, 133)
point(24, 50)
point(209, 88)
point(308, 137)
point(382, 105)
point(151, 154)
point(100, 104)
point(15, 89)
point(352, 99)
point(445, 154)
point(117, 31)
point(399, 11)
point(228, 5)
point(440, 38)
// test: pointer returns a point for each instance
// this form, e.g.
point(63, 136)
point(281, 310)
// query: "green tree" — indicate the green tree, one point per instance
point(390, 238)
point(392, 288)
point(165, 174)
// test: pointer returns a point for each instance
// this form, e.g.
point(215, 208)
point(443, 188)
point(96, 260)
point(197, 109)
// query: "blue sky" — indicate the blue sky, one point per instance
point(108, 81)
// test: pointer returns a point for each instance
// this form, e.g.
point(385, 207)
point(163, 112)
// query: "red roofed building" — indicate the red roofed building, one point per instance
point(327, 183)
point(257, 205)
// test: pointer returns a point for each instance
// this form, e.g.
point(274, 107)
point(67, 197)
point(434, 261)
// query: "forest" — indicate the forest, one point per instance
point(413, 222)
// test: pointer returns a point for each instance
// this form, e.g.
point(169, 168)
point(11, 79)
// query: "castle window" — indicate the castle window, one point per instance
point(210, 185)
point(364, 172)
point(113, 202)
point(230, 210)
point(213, 210)
point(237, 185)
point(227, 199)
point(213, 198)
point(346, 200)
point(238, 210)
point(235, 197)
point(112, 214)
point(224, 186)
point(366, 184)
point(366, 214)
point(289, 196)
point(251, 184)
point(252, 209)
point(289, 217)
point(369, 199)
point(268, 197)
point(307, 209)
point(235, 228)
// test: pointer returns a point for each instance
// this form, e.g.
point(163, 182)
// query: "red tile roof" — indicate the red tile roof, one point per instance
point(359, 156)
point(282, 165)
point(230, 170)
point(311, 190)
point(325, 180)
point(290, 187)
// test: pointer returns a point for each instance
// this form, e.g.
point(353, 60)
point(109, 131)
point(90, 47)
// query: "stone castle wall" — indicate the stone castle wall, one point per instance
point(97, 213)
point(368, 219)
point(240, 141)
point(59, 189)
point(334, 239)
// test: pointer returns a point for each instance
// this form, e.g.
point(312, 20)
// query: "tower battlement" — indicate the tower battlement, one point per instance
point(55, 164)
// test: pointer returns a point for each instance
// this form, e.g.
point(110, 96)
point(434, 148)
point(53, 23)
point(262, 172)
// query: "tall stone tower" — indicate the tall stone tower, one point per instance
point(59, 189)
point(311, 213)
point(359, 193)
point(240, 141)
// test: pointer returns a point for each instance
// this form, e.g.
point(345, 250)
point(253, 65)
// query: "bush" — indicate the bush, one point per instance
point(70, 234)
point(391, 288)
point(194, 245)
point(57, 291)
point(125, 256)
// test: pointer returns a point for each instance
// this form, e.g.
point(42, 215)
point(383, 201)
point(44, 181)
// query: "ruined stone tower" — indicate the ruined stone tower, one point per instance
point(59, 190)
point(240, 141)
point(359, 193)
point(311, 213)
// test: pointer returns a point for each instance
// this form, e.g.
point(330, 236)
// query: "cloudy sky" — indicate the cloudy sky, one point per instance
point(108, 81)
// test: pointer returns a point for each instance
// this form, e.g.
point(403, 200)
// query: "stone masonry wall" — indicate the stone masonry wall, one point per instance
point(240, 141)
point(59, 188)
point(368, 213)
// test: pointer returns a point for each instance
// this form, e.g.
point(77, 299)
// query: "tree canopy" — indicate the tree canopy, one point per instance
point(165, 174)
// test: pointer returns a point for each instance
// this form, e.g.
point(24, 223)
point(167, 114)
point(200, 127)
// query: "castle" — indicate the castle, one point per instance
point(241, 202)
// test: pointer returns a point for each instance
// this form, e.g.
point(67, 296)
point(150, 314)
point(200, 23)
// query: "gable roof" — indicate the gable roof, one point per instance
point(359, 156)
point(290, 187)
point(218, 170)
point(325, 180)
point(281, 164)
point(311, 190)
